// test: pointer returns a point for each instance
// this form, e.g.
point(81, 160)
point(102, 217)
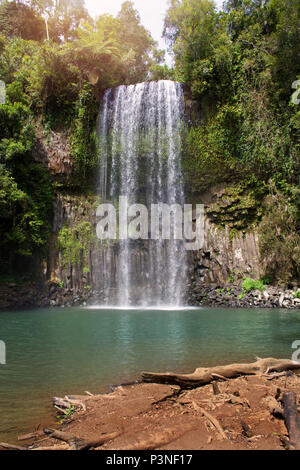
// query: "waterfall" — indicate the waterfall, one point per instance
point(140, 129)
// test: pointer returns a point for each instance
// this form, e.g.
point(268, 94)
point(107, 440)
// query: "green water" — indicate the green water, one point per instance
point(53, 352)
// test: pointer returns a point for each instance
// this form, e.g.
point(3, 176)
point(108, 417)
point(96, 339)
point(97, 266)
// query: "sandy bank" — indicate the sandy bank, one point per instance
point(235, 414)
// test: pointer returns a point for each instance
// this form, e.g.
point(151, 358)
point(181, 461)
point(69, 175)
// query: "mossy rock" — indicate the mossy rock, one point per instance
point(237, 206)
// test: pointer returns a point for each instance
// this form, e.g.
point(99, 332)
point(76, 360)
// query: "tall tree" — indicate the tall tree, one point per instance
point(18, 19)
point(135, 40)
point(64, 16)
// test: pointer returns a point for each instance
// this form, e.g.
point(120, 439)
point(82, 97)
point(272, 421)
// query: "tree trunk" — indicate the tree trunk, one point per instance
point(291, 419)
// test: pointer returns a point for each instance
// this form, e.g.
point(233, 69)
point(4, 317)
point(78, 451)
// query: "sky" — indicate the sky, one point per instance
point(152, 13)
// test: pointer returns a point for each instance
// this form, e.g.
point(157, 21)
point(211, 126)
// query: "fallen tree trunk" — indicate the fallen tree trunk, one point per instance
point(291, 419)
point(4, 445)
point(203, 376)
point(78, 443)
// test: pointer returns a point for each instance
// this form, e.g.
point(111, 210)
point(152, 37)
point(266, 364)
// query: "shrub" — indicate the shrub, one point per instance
point(250, 284)
point(76, 242)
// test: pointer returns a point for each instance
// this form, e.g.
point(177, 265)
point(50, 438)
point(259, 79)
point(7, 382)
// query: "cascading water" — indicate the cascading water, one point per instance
point(139, 132)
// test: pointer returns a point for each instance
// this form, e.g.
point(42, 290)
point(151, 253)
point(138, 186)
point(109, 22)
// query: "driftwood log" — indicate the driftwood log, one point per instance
point(204, 376)
point(72, 442)
point(291, 419)
point(4, 445)
point(78, 443)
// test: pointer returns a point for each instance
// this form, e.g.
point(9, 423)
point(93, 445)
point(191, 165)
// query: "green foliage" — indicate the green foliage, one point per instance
point(240, 65)
point(83, 136)
point(26, 189)
point(18, 19)
point(297, 294)
point(113, 51)
point(64, 16)
point(210, 149)
point(68, 413)
point(161, 72)
point(60, 81)
point(25, 203)
point(94, 50)
point(266, 281)
point(139, 49)
point(279, 238)
point(238, 206)
point(201, 46)
point(56, 84)
point(76, 242)
point(250, 284)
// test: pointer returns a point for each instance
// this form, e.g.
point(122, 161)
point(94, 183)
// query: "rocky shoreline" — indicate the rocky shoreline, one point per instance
point(233, 296)
point(51, 294)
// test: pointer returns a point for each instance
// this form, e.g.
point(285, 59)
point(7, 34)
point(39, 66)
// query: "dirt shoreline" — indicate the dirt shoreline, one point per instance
point(225, 415)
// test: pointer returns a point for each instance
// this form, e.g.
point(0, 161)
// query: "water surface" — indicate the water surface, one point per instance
point(53, 352)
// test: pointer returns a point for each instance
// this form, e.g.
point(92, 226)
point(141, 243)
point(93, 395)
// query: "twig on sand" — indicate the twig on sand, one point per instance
point(32, 435)
point(211, 418)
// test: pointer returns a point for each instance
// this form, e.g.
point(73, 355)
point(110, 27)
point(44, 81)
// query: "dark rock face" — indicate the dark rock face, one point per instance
point(14, 296)
point(50, 294)
point(53, 152)
point(194, 114)
point(224, 256)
